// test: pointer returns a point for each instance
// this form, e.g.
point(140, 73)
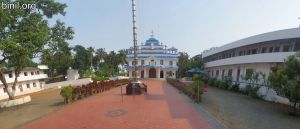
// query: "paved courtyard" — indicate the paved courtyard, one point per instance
point(238, 111)
point(162, 108)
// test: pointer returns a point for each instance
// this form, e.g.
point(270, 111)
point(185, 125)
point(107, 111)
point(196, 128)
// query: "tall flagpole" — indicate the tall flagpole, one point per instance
point(135, 45)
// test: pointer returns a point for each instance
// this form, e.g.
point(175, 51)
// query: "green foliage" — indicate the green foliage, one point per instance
point(195, 86)
point(249, 74)
point(100, 54)
point(66, 92)
point(183, 64)
point(205, 79)
point(251, 90)
point(226, 82)
point(196, 77)
point(287, 79)
point(97, 78)
point(235, 87)
point(191, 90)
point(252, 77)
point(218, 83)
point(212, 82)
point(104, 71)
point(87, 73)
point(113, 60)
point(278, 79)
point(58, 56)
point(81, 59)
point(24, 33)
point(169, 73)
point(196, 61)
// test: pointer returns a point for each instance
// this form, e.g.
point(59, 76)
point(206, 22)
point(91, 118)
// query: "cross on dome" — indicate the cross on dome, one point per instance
point(152, 34)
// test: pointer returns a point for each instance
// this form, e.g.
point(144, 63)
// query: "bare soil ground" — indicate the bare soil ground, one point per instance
point(42, 103)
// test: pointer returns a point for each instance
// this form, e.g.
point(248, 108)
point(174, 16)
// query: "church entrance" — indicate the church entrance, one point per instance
point(161, 74)
point(152, 73)
point(142, 74)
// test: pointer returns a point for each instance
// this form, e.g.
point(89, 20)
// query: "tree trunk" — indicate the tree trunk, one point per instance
point(11, 95)
point(15, 83)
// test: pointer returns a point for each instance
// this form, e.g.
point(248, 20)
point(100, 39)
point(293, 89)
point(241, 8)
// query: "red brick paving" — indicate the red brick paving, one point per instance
point(162, 108)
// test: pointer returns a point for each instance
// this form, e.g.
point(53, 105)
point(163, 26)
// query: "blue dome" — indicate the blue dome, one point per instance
point(173, 48)
point(153, 41)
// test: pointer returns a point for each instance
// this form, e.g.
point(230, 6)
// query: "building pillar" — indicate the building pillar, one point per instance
point(139, 73)
point(158, 73)
point(174, 73)
point(145, 73)
point(130, 73)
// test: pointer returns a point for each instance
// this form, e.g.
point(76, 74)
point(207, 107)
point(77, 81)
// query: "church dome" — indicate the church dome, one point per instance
point(151, 41)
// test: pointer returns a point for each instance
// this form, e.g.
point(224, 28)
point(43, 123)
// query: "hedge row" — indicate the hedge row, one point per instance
point(77, 92)
point(189, 90)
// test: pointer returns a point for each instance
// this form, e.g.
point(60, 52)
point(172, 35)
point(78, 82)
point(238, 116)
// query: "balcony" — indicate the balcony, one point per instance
point(277, 57)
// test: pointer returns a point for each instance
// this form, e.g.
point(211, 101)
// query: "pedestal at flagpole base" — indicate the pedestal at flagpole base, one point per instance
point(136, 88)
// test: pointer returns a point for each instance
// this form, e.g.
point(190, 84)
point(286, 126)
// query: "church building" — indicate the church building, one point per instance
point(155, 60)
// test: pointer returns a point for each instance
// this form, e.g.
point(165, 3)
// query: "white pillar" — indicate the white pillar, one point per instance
point(165, 73)
point(158, 73)
point(130, 73)
point(174, 73)
point(139, 73)
point(145, 73)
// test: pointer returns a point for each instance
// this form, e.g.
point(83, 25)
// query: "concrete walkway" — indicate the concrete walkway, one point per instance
point(162, 108)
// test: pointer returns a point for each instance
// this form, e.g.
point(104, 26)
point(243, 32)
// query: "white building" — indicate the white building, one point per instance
point(262, 53)
point(72, 74)
point(30, 80)
point(155, 60)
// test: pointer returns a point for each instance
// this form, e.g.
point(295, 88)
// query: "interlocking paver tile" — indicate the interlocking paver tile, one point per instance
point(162, 108)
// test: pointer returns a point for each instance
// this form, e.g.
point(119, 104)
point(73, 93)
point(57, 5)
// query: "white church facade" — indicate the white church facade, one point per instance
point(155, 60)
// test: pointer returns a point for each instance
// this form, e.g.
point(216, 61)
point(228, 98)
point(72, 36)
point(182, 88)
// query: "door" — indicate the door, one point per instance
point(142, 74)
point(152, 73)
point(161, 74)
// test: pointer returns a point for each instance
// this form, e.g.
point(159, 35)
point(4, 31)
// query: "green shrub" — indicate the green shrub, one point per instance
point(235, 87)
point(251, 90)
point(226, 83)
point(196, 77)
point(223, 85)
point(195, 87)
point(97, 78)
point(212, 82)
point(218, 83)
point(66, 92)
point(205, 80)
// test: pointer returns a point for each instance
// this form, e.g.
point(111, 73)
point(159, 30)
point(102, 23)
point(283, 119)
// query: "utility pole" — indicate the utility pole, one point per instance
point(134, 39)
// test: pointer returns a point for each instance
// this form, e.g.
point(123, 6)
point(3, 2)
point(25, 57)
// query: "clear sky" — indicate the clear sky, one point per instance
point(189, 25)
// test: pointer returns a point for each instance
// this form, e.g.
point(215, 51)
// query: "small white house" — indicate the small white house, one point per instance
point(30, 80)
point(72, 74)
